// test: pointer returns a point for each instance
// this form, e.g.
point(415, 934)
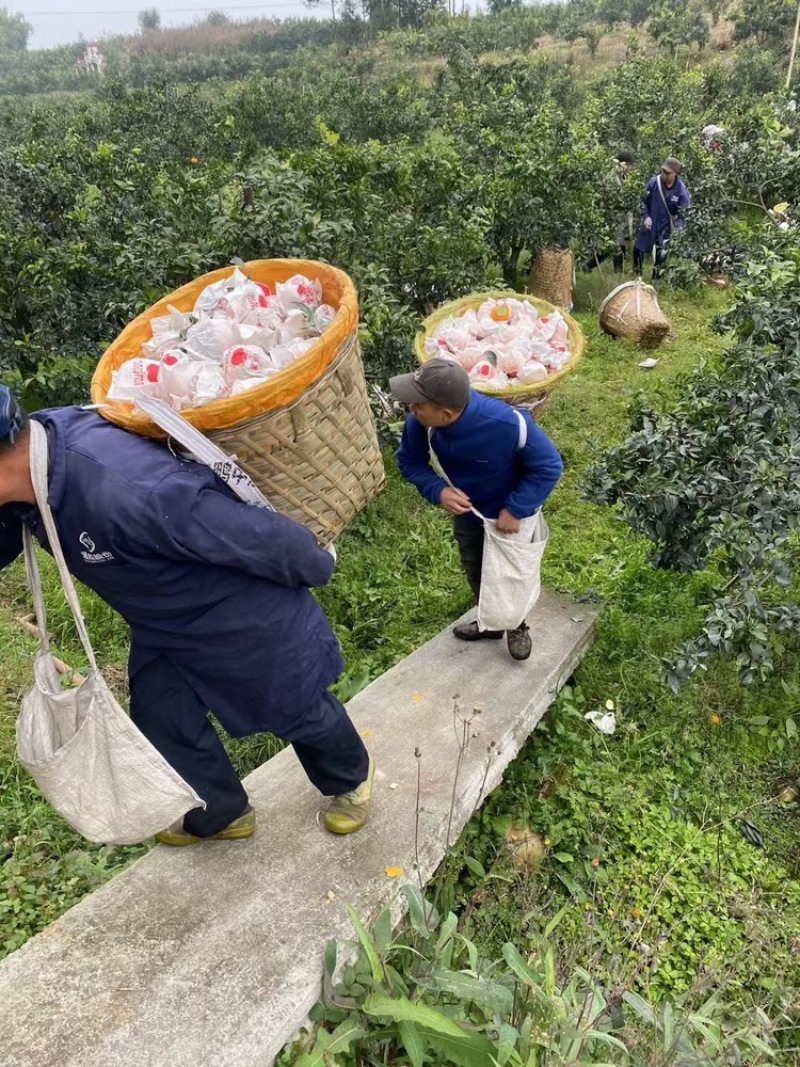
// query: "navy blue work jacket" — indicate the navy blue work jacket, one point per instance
point(220, 588)
point(678, 199)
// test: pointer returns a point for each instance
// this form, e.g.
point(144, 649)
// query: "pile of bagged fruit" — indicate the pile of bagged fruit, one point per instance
point(504, 342)
point(238, 335)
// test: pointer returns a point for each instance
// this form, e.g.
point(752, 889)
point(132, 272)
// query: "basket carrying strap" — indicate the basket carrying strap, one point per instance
point(204, 451)
point(666, 205)
point(437, 466)
point(38, 459)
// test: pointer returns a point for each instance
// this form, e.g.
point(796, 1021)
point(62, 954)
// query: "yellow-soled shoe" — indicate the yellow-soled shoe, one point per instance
point(244, 826)
point(350, 811)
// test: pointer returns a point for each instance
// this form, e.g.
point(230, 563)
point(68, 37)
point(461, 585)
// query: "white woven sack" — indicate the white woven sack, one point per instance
point(80, 747)
point(511, 573)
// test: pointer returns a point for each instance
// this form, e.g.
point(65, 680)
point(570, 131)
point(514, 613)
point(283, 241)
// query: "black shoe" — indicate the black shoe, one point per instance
point(468, 631)
point(519, 642)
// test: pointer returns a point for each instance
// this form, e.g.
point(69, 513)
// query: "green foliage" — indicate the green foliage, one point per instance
point(422, 194)
point(149, 20)
point(715, 483)
point(593, 35)
point(767, 21)
point(676, 24)
point(14, 31)
point(755, 72)
point(432, 997)
point(45, 867)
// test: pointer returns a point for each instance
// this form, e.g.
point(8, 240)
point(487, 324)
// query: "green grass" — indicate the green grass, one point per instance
point(677, 890)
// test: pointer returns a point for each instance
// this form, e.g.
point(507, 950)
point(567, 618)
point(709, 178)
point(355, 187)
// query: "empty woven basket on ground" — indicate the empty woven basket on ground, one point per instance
point(552, 275)
point(306, 436)
point(519, 395)
point(631, 310)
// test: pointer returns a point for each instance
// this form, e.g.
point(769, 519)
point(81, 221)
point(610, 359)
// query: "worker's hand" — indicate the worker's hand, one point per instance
point(648, 223)
point(506, 523)
point(454, 501)
point(332, 551)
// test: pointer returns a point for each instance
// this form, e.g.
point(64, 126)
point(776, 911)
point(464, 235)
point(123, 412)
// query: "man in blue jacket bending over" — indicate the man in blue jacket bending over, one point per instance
point(477, 440)
point(218, 598)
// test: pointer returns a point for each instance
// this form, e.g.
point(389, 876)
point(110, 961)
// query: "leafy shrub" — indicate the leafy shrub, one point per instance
point(715, 483)
point(431, 997)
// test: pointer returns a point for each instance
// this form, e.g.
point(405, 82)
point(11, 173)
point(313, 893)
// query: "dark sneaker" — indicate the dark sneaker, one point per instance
point(468, 631)
point(244, 826)
point(519, 642)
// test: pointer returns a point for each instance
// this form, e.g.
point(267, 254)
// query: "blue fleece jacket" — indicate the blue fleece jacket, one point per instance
point(480, 454)
point(219, 588)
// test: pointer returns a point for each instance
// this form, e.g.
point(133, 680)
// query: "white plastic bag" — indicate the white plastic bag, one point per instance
point(135, 377)
point(82, 750)
point(511, 573)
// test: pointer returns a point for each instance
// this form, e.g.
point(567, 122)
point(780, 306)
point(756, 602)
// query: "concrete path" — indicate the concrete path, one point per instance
point(212, 956)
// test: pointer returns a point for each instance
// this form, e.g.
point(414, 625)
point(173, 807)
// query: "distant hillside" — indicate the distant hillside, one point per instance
point(588, 35)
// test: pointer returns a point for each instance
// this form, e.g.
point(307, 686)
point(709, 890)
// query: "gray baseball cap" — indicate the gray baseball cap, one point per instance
point(440, 381)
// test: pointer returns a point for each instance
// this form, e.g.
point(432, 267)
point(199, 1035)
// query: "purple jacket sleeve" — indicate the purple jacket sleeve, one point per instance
point(647, 198)
point(10, 535)
point(540, 468)
point(190, 520)
point(414, 461)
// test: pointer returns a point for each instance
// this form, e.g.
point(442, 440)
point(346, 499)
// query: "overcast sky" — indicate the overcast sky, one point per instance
point(61, 21)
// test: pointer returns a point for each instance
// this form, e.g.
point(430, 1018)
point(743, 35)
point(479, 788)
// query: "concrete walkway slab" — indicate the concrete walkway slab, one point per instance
point(212, 956)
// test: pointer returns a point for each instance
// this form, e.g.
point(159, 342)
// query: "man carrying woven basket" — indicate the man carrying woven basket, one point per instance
point(497, 461)
point(218, 598)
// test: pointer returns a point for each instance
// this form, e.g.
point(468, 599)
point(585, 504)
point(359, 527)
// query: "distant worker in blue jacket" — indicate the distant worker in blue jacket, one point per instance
point(476, 439)
point(664, 205)
point(218, 598)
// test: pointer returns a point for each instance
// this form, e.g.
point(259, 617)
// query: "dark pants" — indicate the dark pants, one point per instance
point(660, 250)
point(469, 538)
point(618, 252)
point(175, 721)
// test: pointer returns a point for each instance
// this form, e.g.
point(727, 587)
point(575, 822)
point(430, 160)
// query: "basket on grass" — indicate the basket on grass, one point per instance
point(631, 310)
point(552, 276)
point(306, 436)
point(521, 395)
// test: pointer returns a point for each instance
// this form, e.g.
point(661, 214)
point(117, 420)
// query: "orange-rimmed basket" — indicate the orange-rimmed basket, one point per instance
point(514, 394)
point(306, 437)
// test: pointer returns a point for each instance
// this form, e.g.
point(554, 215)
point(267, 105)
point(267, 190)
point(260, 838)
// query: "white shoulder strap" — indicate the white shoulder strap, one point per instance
point(39, 477)
point(203, 451)
point(523, 429)
point(437, 466)
point(664, 202)
point(435, 463)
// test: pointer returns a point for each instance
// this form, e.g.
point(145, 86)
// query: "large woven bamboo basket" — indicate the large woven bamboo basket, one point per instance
point(515, 394)
point(631, 310)
point(552, 276)
point(306, 437)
